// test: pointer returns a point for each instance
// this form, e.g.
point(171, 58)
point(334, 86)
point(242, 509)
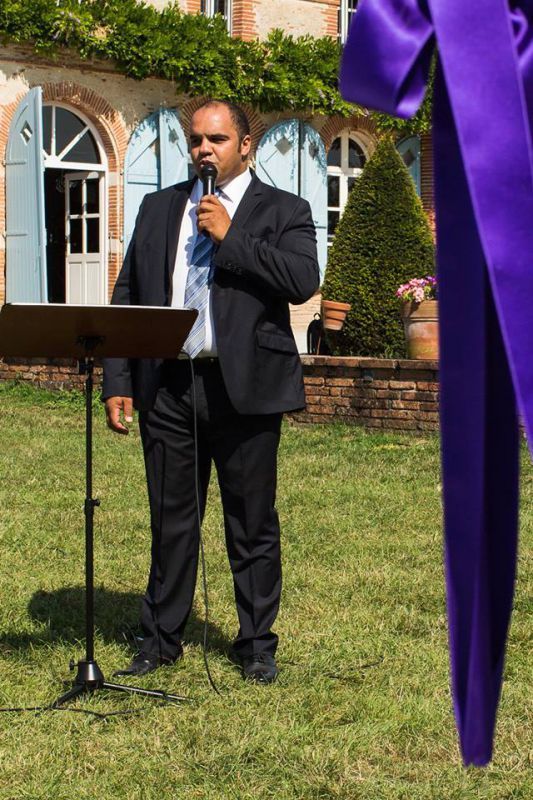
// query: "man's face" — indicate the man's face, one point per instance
point(214, 140)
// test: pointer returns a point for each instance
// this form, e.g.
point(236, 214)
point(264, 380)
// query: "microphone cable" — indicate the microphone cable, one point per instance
point(199, 521)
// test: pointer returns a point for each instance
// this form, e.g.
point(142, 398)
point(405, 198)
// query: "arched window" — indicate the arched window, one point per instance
point(68, 139)
point(346, 160)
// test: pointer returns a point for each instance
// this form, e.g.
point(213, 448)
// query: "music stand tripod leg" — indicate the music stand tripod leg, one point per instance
point(89, 677)
point(157, 694)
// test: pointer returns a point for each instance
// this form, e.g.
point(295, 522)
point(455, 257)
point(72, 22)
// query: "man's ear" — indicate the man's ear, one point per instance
point(246, 144)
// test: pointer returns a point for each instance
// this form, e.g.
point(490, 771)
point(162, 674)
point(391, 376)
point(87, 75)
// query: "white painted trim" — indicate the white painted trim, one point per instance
point(345, 18)
point(209, 11)
point(89, 124)
point(55, 163)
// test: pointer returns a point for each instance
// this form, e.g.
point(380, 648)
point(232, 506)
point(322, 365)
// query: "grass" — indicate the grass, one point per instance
point(362, 707)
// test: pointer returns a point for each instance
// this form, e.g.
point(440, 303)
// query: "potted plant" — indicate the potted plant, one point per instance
point(333, 314)
point(420, 317)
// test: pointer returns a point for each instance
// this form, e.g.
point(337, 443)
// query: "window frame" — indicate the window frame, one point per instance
point(207, 7)
point(54, 161)
point(345, 18)
point(344, 172)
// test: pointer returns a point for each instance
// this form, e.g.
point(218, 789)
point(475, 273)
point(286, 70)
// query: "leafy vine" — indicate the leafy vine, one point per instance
point(195, 52)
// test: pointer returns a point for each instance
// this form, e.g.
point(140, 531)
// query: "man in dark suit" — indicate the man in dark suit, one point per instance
point(239, 256)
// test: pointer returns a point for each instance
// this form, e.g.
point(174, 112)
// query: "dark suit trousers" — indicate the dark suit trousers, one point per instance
point(244, 451)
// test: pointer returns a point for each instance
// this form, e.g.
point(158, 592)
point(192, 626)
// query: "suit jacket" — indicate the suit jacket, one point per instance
point(266, 260)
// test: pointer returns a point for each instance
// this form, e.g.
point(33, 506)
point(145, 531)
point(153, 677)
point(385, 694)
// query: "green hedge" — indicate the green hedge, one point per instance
point(382, 240)
point(195, 52)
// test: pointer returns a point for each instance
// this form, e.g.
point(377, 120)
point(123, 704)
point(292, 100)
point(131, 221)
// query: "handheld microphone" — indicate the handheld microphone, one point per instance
point(208, 174)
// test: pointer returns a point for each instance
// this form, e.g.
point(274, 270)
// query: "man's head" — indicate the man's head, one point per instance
point(220, 135)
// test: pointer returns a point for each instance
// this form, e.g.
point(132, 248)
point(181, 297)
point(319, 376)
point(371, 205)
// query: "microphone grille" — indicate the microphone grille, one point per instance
point(209, 169)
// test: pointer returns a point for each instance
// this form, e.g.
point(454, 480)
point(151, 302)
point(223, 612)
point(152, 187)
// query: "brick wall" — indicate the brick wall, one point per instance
point(374, 393)
point(382, 394)
point(53, 373)
point(243, 22)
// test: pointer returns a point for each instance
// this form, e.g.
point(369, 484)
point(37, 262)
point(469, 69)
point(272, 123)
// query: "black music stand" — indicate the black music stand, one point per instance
point(55, 330)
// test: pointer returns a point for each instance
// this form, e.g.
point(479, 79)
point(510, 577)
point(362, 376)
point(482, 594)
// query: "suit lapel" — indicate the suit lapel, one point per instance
point(250, 200)
point(175, 215)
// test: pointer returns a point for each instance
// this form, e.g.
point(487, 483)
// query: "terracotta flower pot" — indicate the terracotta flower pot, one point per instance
point(334, 314)
point(421, 325)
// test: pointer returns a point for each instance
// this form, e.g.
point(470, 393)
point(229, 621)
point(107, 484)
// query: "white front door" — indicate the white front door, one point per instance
point(84, 231)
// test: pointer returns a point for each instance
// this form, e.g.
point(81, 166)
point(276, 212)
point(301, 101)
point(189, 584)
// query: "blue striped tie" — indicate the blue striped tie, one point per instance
point(196, 291)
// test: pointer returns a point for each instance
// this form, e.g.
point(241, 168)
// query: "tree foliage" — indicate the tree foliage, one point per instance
point(382, 240)
point(192, 50)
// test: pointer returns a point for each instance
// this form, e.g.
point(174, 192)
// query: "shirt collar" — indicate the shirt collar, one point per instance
point(232, 190)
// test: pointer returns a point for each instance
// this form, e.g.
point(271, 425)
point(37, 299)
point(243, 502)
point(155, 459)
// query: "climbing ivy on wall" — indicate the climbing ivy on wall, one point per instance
point(194, 51)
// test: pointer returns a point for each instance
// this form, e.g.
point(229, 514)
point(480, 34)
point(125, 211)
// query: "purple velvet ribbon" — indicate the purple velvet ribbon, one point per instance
point(483, 113)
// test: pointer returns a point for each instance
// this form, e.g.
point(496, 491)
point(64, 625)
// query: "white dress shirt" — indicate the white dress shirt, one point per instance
point(231, 194)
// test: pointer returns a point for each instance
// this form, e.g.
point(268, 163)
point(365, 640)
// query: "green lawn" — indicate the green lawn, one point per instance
point(362, 707)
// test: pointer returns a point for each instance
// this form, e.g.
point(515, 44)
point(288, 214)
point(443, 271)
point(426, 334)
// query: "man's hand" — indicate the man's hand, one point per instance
point(213, 218)
point(114, 406)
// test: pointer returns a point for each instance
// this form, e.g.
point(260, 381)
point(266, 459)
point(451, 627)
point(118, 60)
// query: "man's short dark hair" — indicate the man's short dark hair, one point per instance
point(238, 117)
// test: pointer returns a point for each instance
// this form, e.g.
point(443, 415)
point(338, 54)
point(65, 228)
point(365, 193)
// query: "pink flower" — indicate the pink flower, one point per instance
point(418, 289)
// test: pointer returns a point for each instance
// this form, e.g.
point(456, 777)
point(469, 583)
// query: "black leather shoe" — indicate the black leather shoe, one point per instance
point(143, 663)
point(259, 668)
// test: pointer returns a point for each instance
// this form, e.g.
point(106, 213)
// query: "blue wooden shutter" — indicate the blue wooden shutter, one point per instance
point(277, 156)
point(409, 149)
point(291, 156)
point(313, 187)
point(156, 157)
point(25, 226)
point(173, 149)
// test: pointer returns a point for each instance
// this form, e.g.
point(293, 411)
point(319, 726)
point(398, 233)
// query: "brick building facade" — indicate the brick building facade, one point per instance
point(113, 115)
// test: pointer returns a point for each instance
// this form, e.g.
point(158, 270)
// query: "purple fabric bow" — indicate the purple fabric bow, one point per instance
point(483, 112)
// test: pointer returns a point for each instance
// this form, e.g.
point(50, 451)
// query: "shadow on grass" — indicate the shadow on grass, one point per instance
point(116, 619)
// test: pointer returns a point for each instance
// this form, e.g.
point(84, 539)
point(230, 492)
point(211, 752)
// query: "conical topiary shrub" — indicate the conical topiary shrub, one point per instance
point(382, 240)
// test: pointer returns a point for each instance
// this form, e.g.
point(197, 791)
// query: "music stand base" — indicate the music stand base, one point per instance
point(90, 678)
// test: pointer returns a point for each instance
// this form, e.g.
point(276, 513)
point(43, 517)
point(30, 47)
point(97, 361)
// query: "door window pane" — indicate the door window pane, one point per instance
point(333, 221)
point(351, 184)
point(93, 235)
point(93, 196)
point(47, 129)
point(334, 155)
point(68, 126)
point(333, 190)
point(356, 157)
point(408, 157)
point(85, 150)
point(75, 197)
point(76, 240)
